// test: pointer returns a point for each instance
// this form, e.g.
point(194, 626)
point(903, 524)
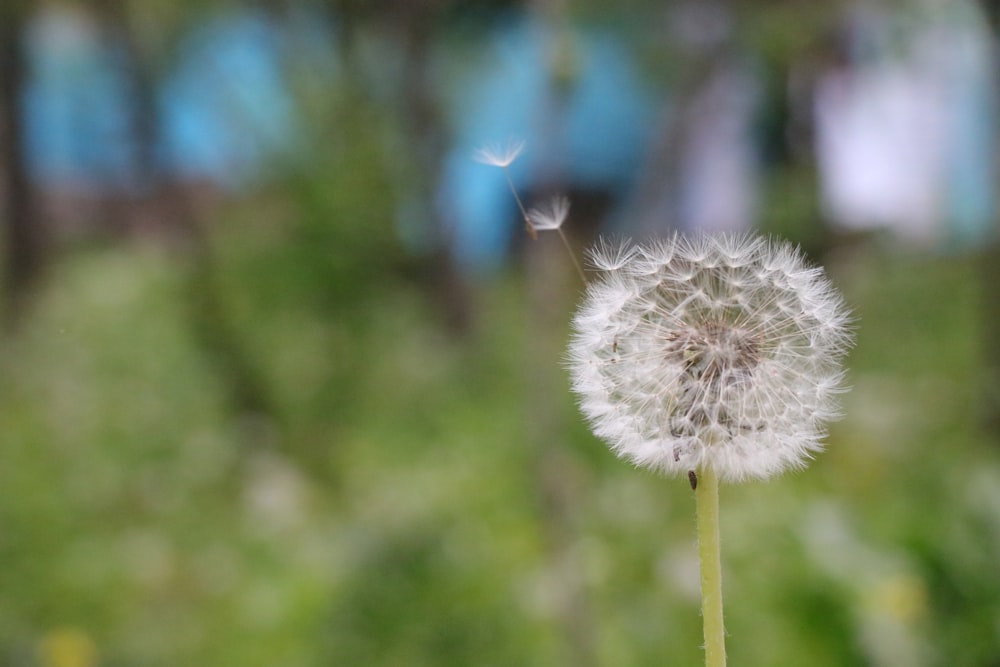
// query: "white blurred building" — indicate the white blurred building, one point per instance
point(904, 130)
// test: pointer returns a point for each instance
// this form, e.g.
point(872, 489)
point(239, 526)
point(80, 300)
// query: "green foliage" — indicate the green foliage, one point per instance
point(391, 508)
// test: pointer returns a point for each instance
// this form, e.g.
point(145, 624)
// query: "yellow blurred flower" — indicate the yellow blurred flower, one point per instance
point(903, 597)
point(67, 647)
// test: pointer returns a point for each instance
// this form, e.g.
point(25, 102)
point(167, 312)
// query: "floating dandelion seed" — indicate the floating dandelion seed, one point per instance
point(713, 353)
point(497, 155)
point(548, 217)
point(551, 215)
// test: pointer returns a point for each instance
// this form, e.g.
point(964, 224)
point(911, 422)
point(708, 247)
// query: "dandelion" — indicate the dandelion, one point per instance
point(720, 353)
point(712, 358)
point(718, 358)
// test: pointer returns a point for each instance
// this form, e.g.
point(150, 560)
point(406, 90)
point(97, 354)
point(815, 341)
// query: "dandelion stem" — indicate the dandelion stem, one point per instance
point(707, 508)
point(530, 228)
point(520, 205)
point(576, 263)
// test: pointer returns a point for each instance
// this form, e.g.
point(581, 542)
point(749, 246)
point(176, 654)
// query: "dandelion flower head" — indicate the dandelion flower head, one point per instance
point(710, 352)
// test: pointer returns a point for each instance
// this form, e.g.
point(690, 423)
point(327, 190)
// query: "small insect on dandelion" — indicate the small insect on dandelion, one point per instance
point(711, 352)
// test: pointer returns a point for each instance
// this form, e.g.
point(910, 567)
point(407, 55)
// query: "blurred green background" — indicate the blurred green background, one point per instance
point(263, 411)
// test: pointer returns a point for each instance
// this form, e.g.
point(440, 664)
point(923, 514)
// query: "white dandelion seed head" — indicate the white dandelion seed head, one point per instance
point(550, 215)
point(497, 155)
point(721, 352)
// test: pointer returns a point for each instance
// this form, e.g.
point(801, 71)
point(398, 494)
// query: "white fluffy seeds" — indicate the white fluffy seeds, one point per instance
point(719, 352)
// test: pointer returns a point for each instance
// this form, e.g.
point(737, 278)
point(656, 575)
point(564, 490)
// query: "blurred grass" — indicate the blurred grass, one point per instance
point(389, 506)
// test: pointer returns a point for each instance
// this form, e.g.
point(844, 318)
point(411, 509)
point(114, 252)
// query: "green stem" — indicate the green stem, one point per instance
point(572, 256)
point(520, 204)
point(707, 508)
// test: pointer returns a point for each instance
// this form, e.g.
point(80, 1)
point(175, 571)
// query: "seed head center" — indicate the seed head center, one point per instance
point(715, 351)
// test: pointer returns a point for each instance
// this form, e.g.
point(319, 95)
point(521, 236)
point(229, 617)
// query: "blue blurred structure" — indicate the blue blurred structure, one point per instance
point(76, 104)
point(576, 95)
point(585, 129)
point(906, 136)
point(225, 110)
point(224, 107)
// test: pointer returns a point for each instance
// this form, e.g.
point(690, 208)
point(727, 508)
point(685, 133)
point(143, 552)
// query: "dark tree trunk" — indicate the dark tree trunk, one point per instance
point(22, 243)
point(168, 206)
point(422, 122)
point(991, 272)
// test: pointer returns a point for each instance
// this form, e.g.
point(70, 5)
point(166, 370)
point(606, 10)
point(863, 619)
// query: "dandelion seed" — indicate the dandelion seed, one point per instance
point(718, 353)
point(502, 156)
point(496, 155)
point(547, 218)
point(551, 215)
point(610, 255)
